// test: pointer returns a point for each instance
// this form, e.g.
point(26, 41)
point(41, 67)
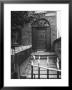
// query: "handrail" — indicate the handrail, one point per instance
point(47, 68)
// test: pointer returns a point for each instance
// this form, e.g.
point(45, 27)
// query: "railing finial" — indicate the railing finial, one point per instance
point(32, 63)
point(57, 63)
point(39, 60)
point(34, 57)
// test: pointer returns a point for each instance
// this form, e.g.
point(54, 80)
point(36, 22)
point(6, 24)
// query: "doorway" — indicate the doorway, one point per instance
point(41, 36)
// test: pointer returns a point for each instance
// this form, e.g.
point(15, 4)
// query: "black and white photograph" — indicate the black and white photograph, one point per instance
point(36, 44)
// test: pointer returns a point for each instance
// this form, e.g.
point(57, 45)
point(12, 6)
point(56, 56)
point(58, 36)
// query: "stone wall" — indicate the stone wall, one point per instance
point(26, 32)
point(52, 21)
point(57, 49)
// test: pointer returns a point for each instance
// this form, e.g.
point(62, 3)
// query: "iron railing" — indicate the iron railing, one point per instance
point(48, 74)
point(47, 69)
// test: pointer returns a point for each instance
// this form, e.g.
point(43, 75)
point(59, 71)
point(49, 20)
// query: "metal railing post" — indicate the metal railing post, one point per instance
point(38, 72)
point(38, 68)
point(47, 69)
point(47, 74)
point(32, 70)
point(34, 76)
point(57, 74)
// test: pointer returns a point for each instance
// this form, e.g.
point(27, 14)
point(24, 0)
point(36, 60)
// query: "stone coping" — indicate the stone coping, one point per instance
point(43, 53)
point(19, 49)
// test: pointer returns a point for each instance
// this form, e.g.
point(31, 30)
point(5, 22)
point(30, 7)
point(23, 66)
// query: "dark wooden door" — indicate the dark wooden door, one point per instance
point(41, 35)
point(41, 39)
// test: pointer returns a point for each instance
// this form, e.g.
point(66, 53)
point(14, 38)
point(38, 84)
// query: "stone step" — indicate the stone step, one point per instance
point(50, 63)
point(44, 65)
point(44, 76)
point(50, 76)
point(36, 68)
point(43, 57)
point(45, 72)
point(43, 53)
point(41, 72)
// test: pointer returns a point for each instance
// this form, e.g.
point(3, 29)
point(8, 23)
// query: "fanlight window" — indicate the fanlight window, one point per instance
point(41, 23)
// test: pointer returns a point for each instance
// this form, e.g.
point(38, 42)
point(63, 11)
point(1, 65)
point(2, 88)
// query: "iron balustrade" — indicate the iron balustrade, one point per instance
point(48, 69)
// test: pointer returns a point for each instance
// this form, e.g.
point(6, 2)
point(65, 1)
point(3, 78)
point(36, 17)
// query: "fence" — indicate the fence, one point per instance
point(48, 69)
point(33, 75)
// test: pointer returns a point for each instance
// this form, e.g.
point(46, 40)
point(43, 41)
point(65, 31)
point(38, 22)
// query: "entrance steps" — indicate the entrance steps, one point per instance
point(43, 59)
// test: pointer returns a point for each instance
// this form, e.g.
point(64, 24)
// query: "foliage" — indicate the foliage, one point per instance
point(19, 18)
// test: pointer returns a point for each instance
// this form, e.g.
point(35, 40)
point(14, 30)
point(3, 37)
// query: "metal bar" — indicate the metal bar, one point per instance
point(38, 68)
point(48, 74)
point(38, 72)
point(57, 74)
point(31, 71)
point(34, 76)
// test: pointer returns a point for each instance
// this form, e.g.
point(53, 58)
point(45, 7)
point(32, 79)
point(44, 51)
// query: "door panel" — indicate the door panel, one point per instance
point(41, 39)
point(41, 44)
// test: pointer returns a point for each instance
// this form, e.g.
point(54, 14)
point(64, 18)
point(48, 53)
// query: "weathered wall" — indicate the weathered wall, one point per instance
point(57, 49)
point(26, 32)
point(26, 35)
point(52, 21)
